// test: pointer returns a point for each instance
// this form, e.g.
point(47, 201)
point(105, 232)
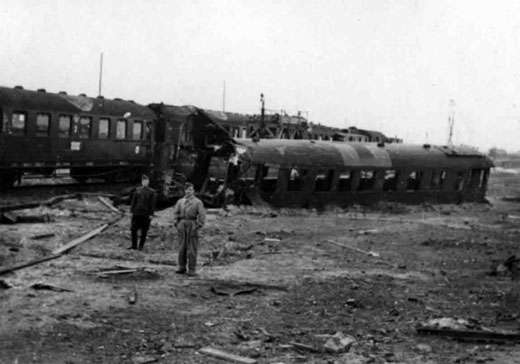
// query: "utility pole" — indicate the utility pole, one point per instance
point(262, 116)
point(100, 73)
point(451, 122)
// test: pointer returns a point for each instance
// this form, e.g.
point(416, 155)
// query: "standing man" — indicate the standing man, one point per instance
point(189, 216)
point(142, 209)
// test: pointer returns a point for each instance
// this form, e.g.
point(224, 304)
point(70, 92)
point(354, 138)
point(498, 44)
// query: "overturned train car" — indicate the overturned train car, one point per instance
point(301, 173)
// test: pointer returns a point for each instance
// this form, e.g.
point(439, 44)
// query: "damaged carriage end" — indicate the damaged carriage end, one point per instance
point(190, 145)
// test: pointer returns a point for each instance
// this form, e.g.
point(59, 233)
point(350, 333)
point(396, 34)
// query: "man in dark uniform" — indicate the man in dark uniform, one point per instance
point(189, 216)
point(142, 209)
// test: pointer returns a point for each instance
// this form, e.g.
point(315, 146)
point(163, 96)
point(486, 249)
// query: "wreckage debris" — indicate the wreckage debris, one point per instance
point(370, 252)
point(227, 292)
point(42, 236)
point(466, 330)
point(132, 298)
point(4, 284)
point(226, 356)
point(59, 252)
point(48, 287)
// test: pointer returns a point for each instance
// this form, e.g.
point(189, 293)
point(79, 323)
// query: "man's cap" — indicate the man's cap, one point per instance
point(144, 176)
point(188, 185)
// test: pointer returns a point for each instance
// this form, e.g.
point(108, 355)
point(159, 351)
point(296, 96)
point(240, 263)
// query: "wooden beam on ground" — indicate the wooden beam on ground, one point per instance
point(107, 203)
point(472, 335)
point(28, 264)
point(85, 237)
point(59, 252)
point(226, 356)
point(371, 253)
point(80, 240)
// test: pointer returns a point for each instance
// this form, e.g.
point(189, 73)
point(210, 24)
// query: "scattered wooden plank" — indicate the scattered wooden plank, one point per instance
point(107, 203)
point(80, 240)
point(301, 346)
point(10, 218)
point(226, 356)
point(272, 240)
point(42, 236)
point(472, 335)
point(48, 287)
point(28, 264)
point(370, 252)
point(119, 271)
point(85, 237)
point(224, 292)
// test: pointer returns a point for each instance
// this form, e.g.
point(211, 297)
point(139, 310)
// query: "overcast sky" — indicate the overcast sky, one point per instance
point(386, 65)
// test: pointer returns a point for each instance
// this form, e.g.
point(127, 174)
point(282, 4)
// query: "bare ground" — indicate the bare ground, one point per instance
point(266, 279)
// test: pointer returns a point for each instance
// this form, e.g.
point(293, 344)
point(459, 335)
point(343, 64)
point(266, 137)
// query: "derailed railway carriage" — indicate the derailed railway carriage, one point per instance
point(297, 173)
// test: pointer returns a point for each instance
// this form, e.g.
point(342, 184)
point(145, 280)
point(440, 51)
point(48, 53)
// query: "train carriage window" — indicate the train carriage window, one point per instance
point(323, 180)
point(435, 180)
point(104, 128)
point(459, 182)
point(296, 179)
point(121, 129)
point(442, 178)
point(345, 181)
point(137, 130)
point(43, 123)
point(148, 131)
point(414, 181)
point(269, 178)
point(484, 178)
point(18, 122)
point(366, 180)
point(474, 178)
point(390, 180)
point(85, 125)
point(64, 123)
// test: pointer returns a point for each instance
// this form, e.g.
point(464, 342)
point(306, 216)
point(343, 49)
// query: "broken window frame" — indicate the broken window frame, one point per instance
point(390, 180)
point(344, 182)
point(413, 183)
point(268, 177)
point(323, 180)
point(367, 179)
point(296, 179)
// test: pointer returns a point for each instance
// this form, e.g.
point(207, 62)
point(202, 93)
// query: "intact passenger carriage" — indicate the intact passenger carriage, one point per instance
point(93, 137)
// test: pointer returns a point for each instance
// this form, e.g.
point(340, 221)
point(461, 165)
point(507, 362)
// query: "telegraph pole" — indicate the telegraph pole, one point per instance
point(451, 122)
point(100, 73)
point(262, 116)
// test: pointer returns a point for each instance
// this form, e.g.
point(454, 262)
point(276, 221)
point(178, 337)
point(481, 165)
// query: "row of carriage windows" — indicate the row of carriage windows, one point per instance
point(69, 125)
point(415, 180)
